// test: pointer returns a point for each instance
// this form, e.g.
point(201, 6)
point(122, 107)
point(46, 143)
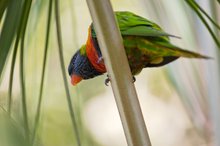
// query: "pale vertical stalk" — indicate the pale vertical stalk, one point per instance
point(119, 73)
point(214, 80)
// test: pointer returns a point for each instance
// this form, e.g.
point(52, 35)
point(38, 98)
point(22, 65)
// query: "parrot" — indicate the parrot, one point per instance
point(145, 42)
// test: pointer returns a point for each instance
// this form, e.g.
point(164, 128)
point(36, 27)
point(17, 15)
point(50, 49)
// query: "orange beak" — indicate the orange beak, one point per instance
point(75, 79)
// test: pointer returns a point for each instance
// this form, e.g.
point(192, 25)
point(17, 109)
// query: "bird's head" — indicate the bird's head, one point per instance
point(80, 67)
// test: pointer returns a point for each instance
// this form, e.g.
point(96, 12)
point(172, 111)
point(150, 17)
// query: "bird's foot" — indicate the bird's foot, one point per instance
point(107, 80)
point(134, 79)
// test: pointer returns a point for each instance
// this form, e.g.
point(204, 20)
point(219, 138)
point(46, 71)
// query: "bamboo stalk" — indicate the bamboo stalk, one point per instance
point(119, 73)
point(214, 79)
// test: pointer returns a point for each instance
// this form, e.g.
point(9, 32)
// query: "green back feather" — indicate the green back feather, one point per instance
point(131, 24)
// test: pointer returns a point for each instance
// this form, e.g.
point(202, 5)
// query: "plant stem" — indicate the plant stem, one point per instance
point(37, 117)
point(22, 30)
point(189, 2)
point(60, 47)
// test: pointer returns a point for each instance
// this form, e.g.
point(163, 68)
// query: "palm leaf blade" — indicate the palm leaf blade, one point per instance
point(9, 30)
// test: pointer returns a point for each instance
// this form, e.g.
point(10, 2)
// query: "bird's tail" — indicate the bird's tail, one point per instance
point(184, 53)
point(190, 54)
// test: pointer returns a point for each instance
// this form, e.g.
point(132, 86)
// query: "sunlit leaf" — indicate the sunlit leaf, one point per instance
point(3, 6)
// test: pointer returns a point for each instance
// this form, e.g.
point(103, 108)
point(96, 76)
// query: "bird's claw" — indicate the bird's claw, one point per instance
point(134, 79)
point(107, 80)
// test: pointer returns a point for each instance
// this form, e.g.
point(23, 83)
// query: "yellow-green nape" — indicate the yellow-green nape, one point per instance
point(83, 50)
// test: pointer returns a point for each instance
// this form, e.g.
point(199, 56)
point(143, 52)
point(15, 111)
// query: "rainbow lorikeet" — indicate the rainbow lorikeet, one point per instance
point(145, 43)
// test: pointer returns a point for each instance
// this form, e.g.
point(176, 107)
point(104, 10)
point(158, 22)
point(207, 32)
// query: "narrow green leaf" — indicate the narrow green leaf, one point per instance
point(37, 117)
point(204, 12)
point(23, 92)
point(22, 25)
point(21, 32)
point(9, 30)
point(60, 47)
point(11, 79)
point(215, 38)
point(3, 6)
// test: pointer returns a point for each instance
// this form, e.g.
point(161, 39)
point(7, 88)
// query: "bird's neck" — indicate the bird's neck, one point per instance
point(92, 54)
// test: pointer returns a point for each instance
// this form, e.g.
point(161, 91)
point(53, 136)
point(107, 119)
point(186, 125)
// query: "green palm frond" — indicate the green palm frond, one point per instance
point(60, 46)
point(195, 5)
point(9, 29)
point(198, 10)
point(38, 111)
point(3, 6)
point(21, 33)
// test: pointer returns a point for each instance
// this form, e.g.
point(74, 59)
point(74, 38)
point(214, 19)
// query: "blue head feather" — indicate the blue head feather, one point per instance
point(81, 66)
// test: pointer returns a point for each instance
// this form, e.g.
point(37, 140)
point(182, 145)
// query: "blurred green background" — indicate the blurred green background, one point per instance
point(180, 102)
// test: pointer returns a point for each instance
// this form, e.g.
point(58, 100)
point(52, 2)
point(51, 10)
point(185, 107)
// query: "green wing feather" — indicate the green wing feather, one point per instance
point(134, 25)
point(145, 31)
point(127, 20)
point(131, 24)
